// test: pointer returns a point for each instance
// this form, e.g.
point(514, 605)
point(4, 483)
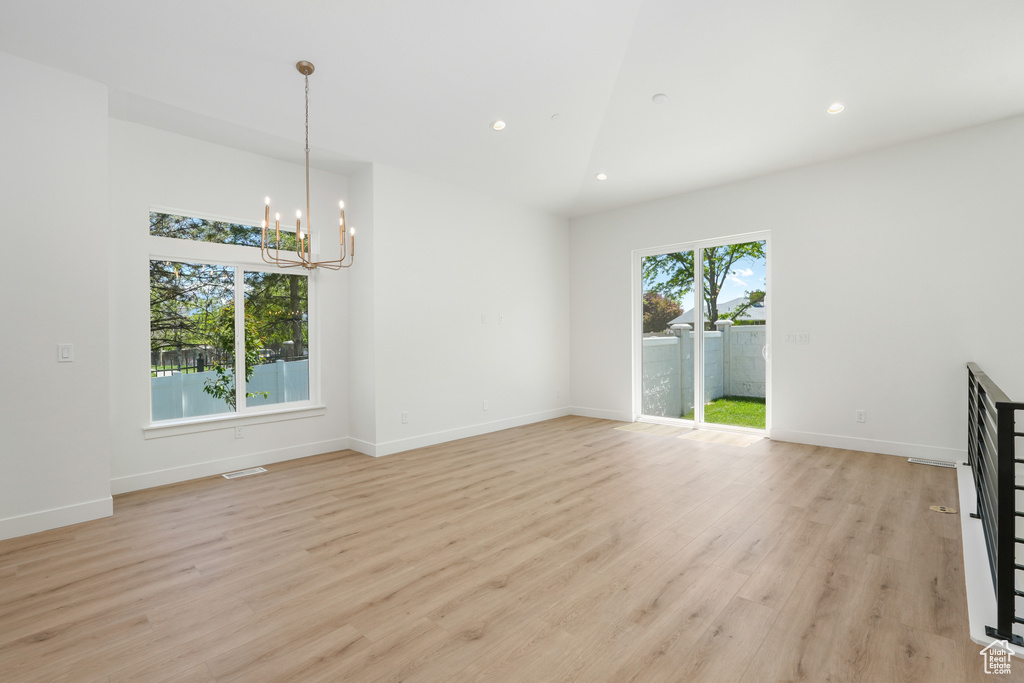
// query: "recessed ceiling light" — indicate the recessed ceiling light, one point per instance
point(601, 176)
point(660, 98)
point(498, 125)
point(835, 108)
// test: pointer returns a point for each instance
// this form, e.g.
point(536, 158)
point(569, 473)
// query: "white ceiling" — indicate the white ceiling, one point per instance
point(417, 84)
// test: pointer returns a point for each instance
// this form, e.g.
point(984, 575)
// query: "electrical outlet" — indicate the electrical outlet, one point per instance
point(238, 433)
point(862, 416)
point(501, 319)
point(405, 417)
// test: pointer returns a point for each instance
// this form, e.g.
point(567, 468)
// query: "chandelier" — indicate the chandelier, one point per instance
point(304, 240)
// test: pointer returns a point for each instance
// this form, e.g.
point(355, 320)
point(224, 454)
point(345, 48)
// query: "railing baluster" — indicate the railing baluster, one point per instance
point(1005, 560)
point(992, 458)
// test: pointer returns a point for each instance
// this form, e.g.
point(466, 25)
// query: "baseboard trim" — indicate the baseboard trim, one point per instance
point(600, 414)
point(174, 475)
point(44, 520)
point(364, 447)
point(401, 445)
point(906, 450)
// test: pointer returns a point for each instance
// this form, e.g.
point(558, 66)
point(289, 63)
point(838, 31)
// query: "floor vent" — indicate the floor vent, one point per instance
point(243, 473)
point(936, 463)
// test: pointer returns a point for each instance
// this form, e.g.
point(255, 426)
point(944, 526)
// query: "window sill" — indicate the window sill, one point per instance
point(215, 422)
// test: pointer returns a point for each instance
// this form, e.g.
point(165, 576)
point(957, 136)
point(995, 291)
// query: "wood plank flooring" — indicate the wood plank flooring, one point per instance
point(561, 551)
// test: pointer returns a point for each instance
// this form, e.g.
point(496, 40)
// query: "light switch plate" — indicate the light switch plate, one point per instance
point(65, 353)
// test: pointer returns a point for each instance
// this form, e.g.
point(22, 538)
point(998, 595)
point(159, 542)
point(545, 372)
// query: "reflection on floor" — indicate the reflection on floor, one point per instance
point(660, 430)
point(723, 438)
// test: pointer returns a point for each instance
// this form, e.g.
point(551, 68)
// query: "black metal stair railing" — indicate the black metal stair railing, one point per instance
point(991, 446)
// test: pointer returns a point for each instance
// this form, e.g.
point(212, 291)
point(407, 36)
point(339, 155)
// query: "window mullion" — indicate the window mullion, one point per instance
point(698, 335)
point(239, 339)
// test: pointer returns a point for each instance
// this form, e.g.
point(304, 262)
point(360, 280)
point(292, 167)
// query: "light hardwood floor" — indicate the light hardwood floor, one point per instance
point(561, 551)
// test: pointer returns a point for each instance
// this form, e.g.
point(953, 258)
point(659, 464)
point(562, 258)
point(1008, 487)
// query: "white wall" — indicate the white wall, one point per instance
point(902, 264)
point(471, 302)
point(154, 168)
point(432, 260)
point(362, 342)
point(54, 432)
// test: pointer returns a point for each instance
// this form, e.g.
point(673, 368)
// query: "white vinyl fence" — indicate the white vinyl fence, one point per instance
point(179, 395)
point(733, 366)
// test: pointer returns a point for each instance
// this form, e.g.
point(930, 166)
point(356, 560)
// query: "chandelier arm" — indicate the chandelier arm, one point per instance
point(283, 263)
point(275, 259)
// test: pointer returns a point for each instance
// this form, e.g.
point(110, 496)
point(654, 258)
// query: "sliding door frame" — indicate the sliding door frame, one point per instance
point(697, 303)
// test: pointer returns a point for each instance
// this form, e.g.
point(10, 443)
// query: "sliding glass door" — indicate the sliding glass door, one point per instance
point(703, 347)
point(735, 340)
point(667, 346)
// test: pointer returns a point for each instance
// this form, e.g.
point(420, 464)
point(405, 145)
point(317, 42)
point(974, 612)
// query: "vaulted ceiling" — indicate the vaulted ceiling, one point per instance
point(417, 85)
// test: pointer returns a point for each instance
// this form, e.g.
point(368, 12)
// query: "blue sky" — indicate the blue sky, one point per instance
point(746, 276)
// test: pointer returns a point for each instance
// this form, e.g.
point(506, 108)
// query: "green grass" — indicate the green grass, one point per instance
point(739, 411)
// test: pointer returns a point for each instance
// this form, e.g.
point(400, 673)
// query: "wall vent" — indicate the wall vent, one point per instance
point(936, 463)
point(243, 473)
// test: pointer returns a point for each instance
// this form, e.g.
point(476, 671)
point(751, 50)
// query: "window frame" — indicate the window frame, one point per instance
point(243, 259)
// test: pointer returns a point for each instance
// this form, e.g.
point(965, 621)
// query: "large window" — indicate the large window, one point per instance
point(218, 232)
point(213, 323)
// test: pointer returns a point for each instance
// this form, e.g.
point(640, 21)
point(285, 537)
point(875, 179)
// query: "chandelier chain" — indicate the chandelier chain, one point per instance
point(307, 114)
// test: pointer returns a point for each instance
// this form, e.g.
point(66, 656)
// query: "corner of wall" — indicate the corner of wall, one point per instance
point(362, 336)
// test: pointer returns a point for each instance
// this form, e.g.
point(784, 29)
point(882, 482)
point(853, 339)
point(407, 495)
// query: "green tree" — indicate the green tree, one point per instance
point(753, 299)
point(659, 311)
point(222, 386)
point(184, 300)
point(672, 275)
point(202, 230)
point(278, 303)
